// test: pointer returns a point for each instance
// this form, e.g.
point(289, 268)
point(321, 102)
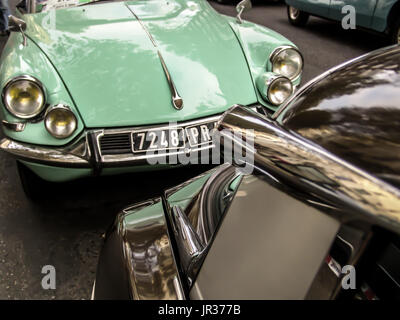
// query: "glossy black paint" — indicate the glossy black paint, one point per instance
point(354, 112)
point(112, 281)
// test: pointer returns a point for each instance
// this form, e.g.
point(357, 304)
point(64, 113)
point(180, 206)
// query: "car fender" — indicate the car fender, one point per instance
point(17, 60)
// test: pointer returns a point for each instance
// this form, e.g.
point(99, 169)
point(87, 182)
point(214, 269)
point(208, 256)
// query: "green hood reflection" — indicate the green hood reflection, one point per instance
point(113, 72)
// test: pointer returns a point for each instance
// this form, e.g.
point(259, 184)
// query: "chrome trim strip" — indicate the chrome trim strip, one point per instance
point(142, 25)
point(365, 197)
point(54, 156)
point(150, 260)
point(188, 242)
point(177, 100)
point(14, 126)
point(194, 227)
point(77, 154)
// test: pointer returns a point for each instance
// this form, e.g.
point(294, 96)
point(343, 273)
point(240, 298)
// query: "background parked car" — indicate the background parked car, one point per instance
point(381, 16)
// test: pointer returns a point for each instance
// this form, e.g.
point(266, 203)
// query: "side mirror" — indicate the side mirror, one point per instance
point(17, 25)
point(242, 6)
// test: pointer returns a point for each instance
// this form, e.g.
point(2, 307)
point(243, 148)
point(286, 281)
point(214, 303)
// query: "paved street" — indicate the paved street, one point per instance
point(66, 230)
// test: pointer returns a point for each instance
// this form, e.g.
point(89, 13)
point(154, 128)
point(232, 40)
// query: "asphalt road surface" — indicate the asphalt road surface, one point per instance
point(66, 230)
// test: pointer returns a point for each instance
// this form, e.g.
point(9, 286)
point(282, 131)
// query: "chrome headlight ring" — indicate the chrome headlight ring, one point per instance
point(285, 94)
point(278, 52)
point(60, 121)
point(274, 88)
point(36, 83)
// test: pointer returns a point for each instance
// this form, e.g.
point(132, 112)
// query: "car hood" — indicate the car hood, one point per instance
point(354, 112)
point(111, 68)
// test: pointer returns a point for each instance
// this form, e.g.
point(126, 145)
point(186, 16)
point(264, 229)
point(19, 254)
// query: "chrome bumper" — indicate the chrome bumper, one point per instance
point(85, 152)
point(60, 157)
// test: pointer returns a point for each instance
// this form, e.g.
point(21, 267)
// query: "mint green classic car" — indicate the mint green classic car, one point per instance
point(381, 16)
point(89, 88)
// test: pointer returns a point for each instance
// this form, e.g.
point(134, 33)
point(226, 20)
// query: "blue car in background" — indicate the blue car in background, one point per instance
point(382, 16)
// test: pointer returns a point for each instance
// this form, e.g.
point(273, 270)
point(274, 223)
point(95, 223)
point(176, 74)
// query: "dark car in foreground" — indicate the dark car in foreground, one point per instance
point(317, 217)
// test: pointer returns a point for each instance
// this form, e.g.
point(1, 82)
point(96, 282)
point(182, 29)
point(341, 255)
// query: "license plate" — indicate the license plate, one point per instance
point(172, 138)
point(199, 134)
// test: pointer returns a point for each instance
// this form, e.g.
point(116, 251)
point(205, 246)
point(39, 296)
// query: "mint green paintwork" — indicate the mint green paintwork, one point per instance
point(185, 194)
point(58, 174)
point(258, 43)
point(98, 60)
point(113, 71)
point(371, 14)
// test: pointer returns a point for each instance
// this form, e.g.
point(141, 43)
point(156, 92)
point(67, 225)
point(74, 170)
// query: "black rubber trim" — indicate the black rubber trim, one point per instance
point(95, 159)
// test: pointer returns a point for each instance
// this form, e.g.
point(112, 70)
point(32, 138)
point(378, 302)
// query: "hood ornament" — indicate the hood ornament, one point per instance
point(17, 25)
point(177, 100)
point(242, 6)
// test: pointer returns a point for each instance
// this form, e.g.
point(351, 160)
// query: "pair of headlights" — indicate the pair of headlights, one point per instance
point(25, 98)
point(287, 65)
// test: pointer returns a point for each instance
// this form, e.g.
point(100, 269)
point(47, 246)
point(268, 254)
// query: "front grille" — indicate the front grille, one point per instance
point(115, 144)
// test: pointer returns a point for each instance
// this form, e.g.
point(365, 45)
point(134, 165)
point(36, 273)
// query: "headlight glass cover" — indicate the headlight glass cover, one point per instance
point(60, 122)
point(24, 97)
point(287, 62)
point(279, 90)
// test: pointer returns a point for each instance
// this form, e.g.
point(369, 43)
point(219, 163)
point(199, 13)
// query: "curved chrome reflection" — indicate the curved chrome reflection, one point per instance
point(314, 169)
point(150, 261)
point(177, 100)
point(74, 156)
point(288, 103)
point(195, 224)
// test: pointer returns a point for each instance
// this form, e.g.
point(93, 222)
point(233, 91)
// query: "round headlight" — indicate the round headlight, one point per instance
point(287, 61)
point(60, 122)
point(279, 90)
point(24, 97)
